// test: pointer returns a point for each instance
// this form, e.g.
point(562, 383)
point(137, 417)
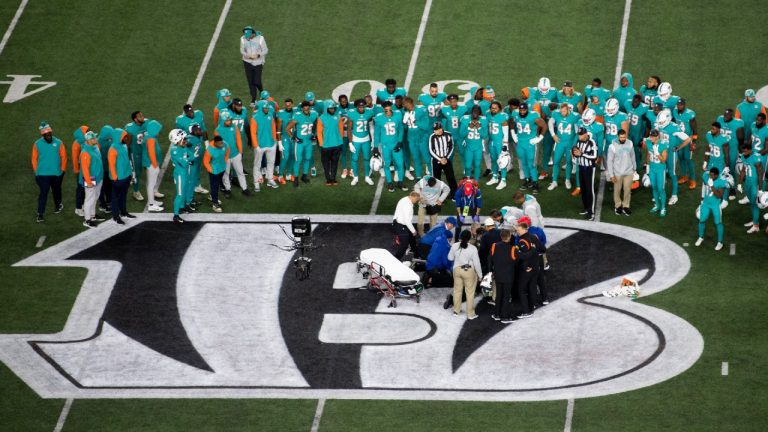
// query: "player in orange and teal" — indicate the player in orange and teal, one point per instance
point(224, 98)
point(474, 130)
point(625, 91)
point(686, 118)
point(675, 139)
point(545, 97)
point(652, 113)
point(92, 170)
point(615, 120)
point(747, 111)
point(712, 189)
point(433, 102)
point(733, 129)
point(318, 106)
point(387, 138)
point(301, 130)
point(665, 96)
point(77, 145)
point(105, 142)
point(452, 114)
point(562, 127)
point(49, 163)
point(650, 89)
point(358, 128)
point(759, 134)
point(498, 142)
point(638, 123)
point(271, 102)
point(596, 89)
point(137, 128)
point(657, 161)
point(417, 125)
point(718, 153)
point(288, 158)
point(750, 176)
point(528, 132)
point(595, 129)
point(182, 160)
point(233, 140)
point(196, 146)
point(120, 172)
point(389, 92)
point(151, 160)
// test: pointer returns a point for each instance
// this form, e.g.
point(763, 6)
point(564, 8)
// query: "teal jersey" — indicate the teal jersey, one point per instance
point(471, 135)
point(96, 167)
point(748, 113)
point(750, 168)
point(635, 116)
point(318, 107)
point(305, 125)
point(285, 117)
point(654, 154)
point(218, 157)
point(484, 105)
point(670, 103)
point(525, 127)
point(757, 137)
point(672, 135)
point(651, 116)
point(573, 100)
point(598, 108)
point(565, 127)
point(648, 94)
point(709, 198)
point(388, 130)
point(49, 157)
point(728, 129)
point(265, 123)
point(612, 126)
point(138, 132)
point(344, 113)
point(716, 150)
point(625, 94)
point(229, 135)
point(122, 160)
point(183, 121)
point(152, 141)
point(596, 131)
point(452, 119)
point(195, 146)
point(180, 157)
point(496, 127)
point(239, 121)
point(433, 104)
point(543, 99)
point(331, 134)
point(601, 92)
point(383, 95)
point(684, 118)
point(360, 124)
point(417, 120)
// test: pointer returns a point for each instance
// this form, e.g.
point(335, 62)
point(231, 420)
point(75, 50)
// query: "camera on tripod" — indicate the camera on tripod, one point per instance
point(301, 228)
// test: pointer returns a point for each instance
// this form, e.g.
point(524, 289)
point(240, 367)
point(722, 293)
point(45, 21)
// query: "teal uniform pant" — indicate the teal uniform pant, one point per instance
point(362, 149)
point(304, 156)
point(717, 215)
point(136, 152)
point(657, 176)
point(495, 150)
point(563, 150)
point(193, 179)
point(671, 168)
point(547, 148)
point(685, 158)
point(527, 154)
point(418, 150)
point(287, 159)
point(180, 179)
point(390, 157)
point(344, 157)
point(473, 158)
point(750, 190)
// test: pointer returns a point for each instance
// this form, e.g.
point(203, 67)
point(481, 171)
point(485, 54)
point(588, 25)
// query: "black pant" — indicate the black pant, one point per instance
point(424, 249)
point(541, 281)
point(438, 170)
point(587, 180)
point(105, 199)
point(438, 278)
point(214, 181)
point(330, 158)
point(403, 239)
point(79, 195)
point(119, 197)
point(503, 299)
point(253, 76)
point(526, 287)
point(48, 183)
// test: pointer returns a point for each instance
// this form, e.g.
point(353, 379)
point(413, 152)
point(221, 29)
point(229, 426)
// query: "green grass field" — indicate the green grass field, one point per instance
point(111, 58)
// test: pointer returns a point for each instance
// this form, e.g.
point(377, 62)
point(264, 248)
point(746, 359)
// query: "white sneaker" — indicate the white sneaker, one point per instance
point(698, 241)
point(410, 168)
point(718, 246)
point(723, 204)
point(744, 200)
point(502, 185)
point(81, 213)
point(313, 172)
point(396, 177)
point(672, 200)
point(552, 186)
point(154, 208)
point(550, 162)
point(158, 195)
point(567, 184)
point(731, 197)
point(344, 174)
point(354, 181)
point(201, 190)
point(408, 175)
point(264, 172)
point(753, 230)
point(256, 187)
point(369, 180)
point(765, 216)
point(271, 183)
point(493, 181)
point(748, 224)
point(138, 196)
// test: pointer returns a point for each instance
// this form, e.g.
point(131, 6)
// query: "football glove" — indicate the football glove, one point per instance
point(740, 189)
point(476, 219)
point(352, 148)
point(537, 139)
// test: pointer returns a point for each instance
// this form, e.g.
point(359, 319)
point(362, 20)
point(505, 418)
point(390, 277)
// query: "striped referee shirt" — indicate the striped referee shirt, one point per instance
point(441, 146)
point(588, 150)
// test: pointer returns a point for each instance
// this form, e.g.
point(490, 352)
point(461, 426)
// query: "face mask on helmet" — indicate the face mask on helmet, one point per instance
point(588, 117)
point(612, 107)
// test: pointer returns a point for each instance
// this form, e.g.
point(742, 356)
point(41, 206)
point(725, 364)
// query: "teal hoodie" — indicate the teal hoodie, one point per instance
point(123, 160)
point(624, 94)
point(331, 134)
point(105, 142)
point(153, 130)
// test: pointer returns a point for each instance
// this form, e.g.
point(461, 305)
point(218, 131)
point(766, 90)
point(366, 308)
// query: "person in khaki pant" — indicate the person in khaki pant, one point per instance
point(620, 170)
point(466, 273)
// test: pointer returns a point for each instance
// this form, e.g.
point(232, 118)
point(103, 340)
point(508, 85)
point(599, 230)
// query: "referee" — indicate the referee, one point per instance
point(441, 148)
point(585, 152)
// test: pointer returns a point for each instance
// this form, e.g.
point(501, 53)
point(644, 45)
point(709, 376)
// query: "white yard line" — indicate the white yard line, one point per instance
point(318, 415)
point(14, 21)
point(724, 369)
point(63, 416)
point(616, 78)
point(733, 249)
point(40, 242)
point(406, 85)
point(196, 86)
point(568, 416)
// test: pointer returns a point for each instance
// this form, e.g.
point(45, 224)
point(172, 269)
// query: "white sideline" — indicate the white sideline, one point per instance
point(63, 416)
point(318, 415)
point(12, 26)
point(406, 85)
point(196, 86)
point(568, 416)
point(616, 78)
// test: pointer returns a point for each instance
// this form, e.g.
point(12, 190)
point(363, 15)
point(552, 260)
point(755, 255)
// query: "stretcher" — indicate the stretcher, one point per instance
point(389, 276)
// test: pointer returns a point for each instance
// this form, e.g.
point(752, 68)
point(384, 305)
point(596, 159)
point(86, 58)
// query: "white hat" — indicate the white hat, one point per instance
point(489, 222)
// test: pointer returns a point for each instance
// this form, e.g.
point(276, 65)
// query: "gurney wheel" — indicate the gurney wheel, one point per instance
point(393, 303)
point(418, 299)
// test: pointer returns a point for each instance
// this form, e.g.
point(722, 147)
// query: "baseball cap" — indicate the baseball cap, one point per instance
point(681, 101)
point(451, 220)
point(468, 189)
point(45, 127)
point(264, 94)
point(654, 132)
point(225, 92)
point(749, 93)
point(90, 135)
point(524, 105)
point(309, 96)
point(525, 219)
point(437, 126)
point(581, 131)
point(225, 115)
point(489, 222)
point(568, 83)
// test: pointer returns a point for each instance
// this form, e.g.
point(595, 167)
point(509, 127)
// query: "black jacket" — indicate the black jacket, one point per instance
point(484, 249)
point(529, 249)
point(501, 261)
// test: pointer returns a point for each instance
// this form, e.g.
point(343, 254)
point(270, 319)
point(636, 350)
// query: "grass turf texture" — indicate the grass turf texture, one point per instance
point(104, 71)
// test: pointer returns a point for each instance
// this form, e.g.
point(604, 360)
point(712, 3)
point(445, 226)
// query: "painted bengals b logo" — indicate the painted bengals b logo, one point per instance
point(210, 309)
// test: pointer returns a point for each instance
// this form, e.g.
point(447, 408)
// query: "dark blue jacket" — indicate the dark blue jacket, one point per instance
point(433, 234)
point(438, 255)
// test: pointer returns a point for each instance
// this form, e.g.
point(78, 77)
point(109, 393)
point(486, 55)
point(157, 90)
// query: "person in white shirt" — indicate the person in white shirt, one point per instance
point(253, 49)
point(466, 273)
point(530, 207)
point(433, 193)
point(402, 226)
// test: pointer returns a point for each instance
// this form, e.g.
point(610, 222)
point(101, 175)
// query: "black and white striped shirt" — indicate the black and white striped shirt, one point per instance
point(588, 153)
point(441, 146)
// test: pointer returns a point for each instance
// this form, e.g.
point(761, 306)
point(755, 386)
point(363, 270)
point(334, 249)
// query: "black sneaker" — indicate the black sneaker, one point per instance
point(247, 192)
point(535, 188)
point(627, 211)
point(524, 315)
point(524, 185)
point(487, 173)
point(59, 208)
point(40, 219)
point(99, 217)
point(188, 209)
point(228, 193)
point(128, 215)
point(177, 219)
point(304, 178)
point(390, 187)
point(584, 212)
point(507, 321)
point(618, 211)
point(402, 186)
point(448, 302)
point(295, 181)
point(589, 217)
point(118, 220)
point(495, 318)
